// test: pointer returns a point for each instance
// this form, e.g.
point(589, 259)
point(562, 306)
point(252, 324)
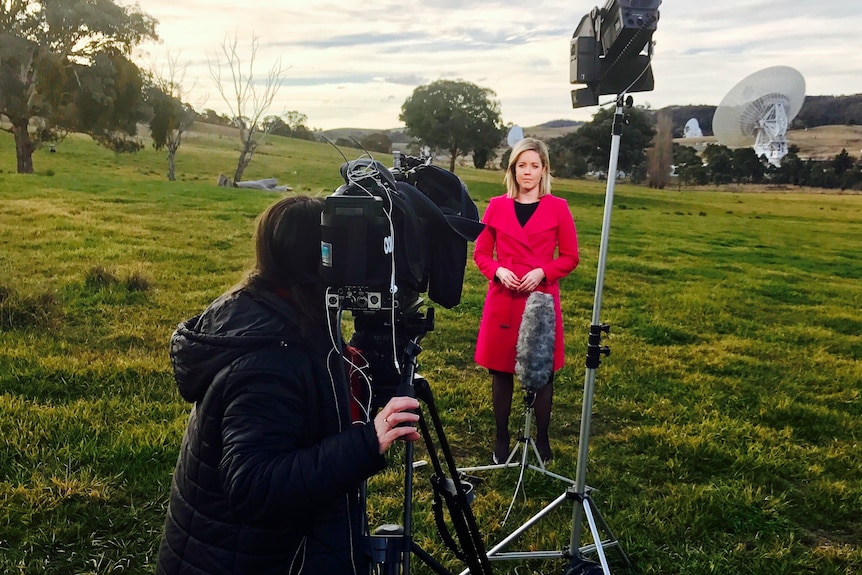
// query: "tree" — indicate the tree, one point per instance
point(792, 169)
point(481, 157)
point(660, 155)
point(566, 161)
point(290, 125)
point(719, 161)
point(210, 116)
point(171, 116)
point(592, 141)
point(64, 67)
point(843, 162)
point(455, 116)
point(247, 96)
point(693, 175)
point(748, 166)
point(377, 142)
point(685, 156)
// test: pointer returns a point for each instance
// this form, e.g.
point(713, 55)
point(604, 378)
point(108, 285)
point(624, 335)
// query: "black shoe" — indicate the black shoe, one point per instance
point(501, 451)
point(545, 453)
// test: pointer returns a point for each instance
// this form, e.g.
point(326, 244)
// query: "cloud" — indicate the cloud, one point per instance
point(406, 80)
point(520, 51)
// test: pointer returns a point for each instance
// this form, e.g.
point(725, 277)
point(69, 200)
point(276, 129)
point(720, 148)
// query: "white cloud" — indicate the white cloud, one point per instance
point(354, 64)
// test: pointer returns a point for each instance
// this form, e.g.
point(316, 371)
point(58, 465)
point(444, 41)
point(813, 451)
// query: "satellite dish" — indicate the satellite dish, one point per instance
point(516, 134)
point(757, 111)
point(692, 129)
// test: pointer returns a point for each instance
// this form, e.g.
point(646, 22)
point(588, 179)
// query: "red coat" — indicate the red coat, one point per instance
point(550, 231)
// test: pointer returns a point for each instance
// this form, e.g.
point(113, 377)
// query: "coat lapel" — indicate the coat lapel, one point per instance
point(542, 219)
point(505, 221)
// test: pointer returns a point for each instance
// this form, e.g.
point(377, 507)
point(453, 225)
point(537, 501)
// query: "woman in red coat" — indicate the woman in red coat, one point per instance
point(529, 243)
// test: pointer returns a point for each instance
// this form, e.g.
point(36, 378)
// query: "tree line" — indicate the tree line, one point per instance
point(647, 154)
point(720, 165)
point(66, 67)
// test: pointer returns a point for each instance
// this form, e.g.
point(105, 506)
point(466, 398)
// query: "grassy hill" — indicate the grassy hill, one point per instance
point(726, 424)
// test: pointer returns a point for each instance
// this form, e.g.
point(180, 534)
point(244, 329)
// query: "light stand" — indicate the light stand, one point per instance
point(580, 492)
point(525, 445)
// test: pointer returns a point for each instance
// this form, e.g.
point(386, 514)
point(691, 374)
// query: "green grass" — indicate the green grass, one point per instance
point(726, 425)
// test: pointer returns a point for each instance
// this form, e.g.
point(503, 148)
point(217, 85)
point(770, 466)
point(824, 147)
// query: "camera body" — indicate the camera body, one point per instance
point(387, 236)
point(356, 252)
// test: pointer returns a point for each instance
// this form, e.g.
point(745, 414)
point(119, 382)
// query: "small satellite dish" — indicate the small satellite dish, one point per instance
point(757, 111)
point(692, 129)
point(516, 134)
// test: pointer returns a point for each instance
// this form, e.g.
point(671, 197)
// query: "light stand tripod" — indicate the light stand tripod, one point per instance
point(580, 492)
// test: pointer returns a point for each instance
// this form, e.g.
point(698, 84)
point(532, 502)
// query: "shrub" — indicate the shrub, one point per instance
point(98, 277)
point(136, 281)
point(28, 311)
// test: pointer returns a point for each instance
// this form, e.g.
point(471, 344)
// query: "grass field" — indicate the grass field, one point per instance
point(726, 425)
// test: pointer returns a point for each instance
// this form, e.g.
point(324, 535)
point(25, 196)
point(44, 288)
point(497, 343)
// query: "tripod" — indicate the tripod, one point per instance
point(584, 507)
point(526, 446)
point(391, 546)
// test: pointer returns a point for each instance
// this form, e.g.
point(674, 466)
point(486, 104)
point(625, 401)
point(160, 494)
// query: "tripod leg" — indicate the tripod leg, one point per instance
point(597, 537)
point(542, 409)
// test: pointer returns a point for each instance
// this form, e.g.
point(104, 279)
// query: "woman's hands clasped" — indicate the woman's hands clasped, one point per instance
point(397, 411)
point(528, 283)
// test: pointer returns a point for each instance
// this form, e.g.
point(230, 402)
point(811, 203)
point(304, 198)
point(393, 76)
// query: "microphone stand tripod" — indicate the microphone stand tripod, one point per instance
point(526, 445)
point(580, 492)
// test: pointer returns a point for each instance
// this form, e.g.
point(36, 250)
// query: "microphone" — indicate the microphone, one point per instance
point(534, 351)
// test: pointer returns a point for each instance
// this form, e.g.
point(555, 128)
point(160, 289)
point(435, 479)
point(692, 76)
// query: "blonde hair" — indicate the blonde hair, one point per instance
point(510, 178)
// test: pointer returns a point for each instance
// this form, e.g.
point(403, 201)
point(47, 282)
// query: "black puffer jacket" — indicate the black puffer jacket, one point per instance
point(270, 466)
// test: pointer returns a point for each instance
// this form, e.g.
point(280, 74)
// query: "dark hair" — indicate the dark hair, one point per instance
point(287, 254)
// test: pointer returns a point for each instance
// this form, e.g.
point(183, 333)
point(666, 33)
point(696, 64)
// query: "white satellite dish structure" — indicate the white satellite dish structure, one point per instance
point(758, 110)
point(516, 134)
point(692, 129)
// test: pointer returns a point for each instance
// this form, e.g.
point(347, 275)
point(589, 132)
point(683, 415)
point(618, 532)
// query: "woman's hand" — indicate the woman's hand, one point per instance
point(508, 278)
point(394, 413)
point(532, 280)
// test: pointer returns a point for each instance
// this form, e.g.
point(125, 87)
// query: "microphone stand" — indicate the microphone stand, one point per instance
point(580, 492)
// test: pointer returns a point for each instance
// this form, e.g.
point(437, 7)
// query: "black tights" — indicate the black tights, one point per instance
point(502, 387)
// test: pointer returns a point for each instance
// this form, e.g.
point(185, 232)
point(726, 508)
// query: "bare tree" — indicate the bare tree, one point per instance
point(660, 155)
point(247, 97)
point(172, 116)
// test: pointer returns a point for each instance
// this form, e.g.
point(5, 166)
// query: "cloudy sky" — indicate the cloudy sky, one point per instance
point(352, 64)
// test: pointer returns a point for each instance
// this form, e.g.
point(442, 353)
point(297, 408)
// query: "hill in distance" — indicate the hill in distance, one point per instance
point(816, 111)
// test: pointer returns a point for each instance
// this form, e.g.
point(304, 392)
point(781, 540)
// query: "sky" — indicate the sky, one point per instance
point(352, 64)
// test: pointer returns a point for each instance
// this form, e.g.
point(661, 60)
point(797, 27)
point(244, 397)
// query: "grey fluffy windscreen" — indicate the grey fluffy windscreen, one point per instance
point(534, 352)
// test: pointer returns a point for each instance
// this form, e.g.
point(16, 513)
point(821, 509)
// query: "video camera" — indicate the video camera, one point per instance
point(607, 50)
point(390, 235)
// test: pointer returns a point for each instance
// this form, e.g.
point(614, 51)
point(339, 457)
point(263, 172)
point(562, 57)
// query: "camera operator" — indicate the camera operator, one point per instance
point(272, 462)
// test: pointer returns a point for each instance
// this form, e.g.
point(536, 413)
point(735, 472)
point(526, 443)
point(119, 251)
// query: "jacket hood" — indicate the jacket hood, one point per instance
point(233, 325)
